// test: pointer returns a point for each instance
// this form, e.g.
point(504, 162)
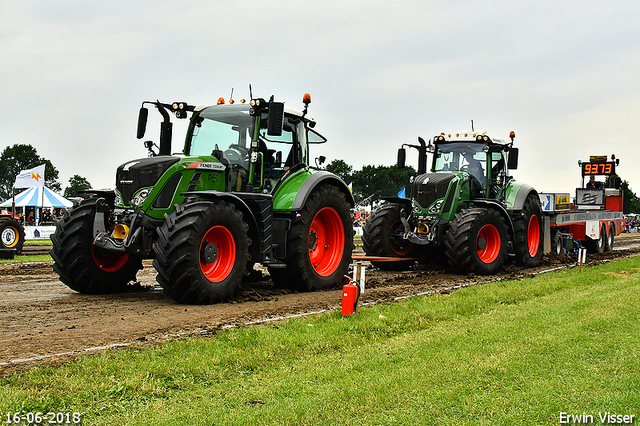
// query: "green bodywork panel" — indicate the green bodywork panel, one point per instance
point(191, 179)
point(515, 194)
point(286, 194)
point(199, 179)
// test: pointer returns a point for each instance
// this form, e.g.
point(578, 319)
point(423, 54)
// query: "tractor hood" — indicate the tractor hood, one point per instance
point(136, 174)
point(429, 187)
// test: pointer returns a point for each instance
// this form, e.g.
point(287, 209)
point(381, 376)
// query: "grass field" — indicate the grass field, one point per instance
point(506, 353)
point(36, 258)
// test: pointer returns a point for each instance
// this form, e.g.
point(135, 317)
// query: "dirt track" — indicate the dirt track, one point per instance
point(42, 320)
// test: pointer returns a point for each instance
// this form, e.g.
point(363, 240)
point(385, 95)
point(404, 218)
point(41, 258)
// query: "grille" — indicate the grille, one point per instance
point(142, 173)
point(431, 186)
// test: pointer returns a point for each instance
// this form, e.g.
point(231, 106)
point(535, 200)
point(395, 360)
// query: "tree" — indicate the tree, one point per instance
point(76, 184)
point(23, 157)
point(340, 169)
point(630, 203)
point(380, 181)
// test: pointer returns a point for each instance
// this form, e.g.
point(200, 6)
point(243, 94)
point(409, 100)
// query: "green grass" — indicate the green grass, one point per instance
point(34, 258)
point(504, 353)
point(22, 258)
point(38, 242)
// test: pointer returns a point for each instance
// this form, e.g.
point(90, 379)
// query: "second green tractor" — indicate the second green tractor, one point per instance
point(466, 208)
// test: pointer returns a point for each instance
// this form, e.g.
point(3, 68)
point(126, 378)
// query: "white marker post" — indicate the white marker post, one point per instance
point(582, 257)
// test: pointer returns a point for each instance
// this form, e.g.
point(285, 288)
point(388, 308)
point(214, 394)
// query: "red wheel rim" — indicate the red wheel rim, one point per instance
point(220, 268)
point(326, 241)
point(108, 261)
point(488, 252)
point(405, 247)
point(533, 235)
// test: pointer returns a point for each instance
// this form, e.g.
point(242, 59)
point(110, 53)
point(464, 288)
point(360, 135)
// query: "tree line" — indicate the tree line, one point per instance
point(368, 184)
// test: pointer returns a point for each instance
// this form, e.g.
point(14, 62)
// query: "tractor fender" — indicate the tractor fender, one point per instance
point(499, 207)
point(313, 181)
point(517, 193)
point(398, 200)
point(108, 194)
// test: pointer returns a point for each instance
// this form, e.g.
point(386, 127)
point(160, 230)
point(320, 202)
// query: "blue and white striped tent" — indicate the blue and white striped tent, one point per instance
point(39, 196)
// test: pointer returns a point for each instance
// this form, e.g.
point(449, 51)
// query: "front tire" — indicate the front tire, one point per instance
point(12, 235)
point(84, 267)
point(319, 244)
point(528, 241)
point(378, 238)
point(202, 252)
point(477, 242)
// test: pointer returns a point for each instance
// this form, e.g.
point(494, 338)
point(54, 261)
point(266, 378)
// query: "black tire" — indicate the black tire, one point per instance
point(377, 238)
point(477, 242)
point(319, 243)
point(610, 238)
point(12, 235)
point(202, 252)
point(557, 246)
point(528, 243)
point(599, 245)
point(84, 267)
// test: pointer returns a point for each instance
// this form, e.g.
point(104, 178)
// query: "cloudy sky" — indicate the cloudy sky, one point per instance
point(564, 75)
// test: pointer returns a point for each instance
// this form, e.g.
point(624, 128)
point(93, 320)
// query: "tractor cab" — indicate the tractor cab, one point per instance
point(256, 153)
point(485, 160)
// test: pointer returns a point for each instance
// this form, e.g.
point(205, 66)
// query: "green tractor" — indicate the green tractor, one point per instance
point(467, 208)
point(241, 192)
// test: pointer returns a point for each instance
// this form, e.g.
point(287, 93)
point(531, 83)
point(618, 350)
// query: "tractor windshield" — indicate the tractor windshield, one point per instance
point(461, 156)
point(221, 129)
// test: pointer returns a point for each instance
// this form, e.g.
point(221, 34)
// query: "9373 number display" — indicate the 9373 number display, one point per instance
point(607, 169)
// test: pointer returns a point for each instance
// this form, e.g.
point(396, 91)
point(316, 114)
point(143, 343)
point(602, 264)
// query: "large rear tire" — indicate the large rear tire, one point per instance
point(382, 236)
point(477, 242)
point(202, 252)
point(319, 244)
point(81, 265)
point(12, 235)
point(528, 243)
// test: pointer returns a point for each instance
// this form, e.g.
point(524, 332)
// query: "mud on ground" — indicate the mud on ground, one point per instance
point(43, 321)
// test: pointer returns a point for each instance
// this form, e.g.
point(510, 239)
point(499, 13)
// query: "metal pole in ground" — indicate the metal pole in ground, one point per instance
point(582, 257)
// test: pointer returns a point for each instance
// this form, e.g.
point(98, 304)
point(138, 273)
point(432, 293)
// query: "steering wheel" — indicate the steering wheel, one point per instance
point(236, 154)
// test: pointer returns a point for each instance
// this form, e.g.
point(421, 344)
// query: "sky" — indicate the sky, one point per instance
point(564, 75)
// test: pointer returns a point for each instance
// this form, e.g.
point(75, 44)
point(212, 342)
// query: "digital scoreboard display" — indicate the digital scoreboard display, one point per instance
point(591, 169)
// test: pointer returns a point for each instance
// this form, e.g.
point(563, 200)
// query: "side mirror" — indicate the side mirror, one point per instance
point(275, 122)
point(513, 158)
point(142, 122)
point(402, 158)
